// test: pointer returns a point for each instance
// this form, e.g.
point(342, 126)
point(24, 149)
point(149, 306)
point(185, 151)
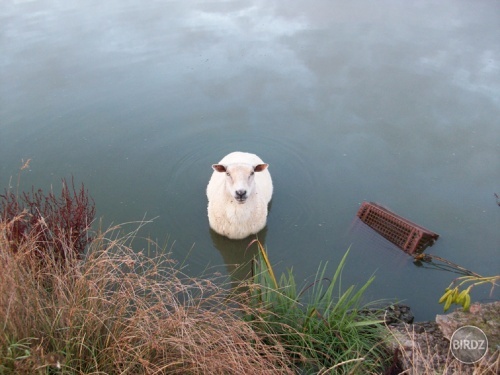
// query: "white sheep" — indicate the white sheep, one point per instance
point(238, 195)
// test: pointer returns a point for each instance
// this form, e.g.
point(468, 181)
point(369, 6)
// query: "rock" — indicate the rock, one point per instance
point(483, 316)
point(424, 347)
point(391, 314)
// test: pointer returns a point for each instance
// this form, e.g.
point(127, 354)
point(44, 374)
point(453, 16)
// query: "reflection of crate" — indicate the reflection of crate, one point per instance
point(409, 236)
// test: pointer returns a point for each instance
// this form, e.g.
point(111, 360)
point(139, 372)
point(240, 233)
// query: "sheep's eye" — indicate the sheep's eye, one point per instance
point(252, 173)
point(228, 174)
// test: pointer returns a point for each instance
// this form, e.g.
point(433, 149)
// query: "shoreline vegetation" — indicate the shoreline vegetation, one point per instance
point(77, 302)
point(118, 311)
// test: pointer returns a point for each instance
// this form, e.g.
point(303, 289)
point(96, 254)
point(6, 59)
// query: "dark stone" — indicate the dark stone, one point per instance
point(392, 314)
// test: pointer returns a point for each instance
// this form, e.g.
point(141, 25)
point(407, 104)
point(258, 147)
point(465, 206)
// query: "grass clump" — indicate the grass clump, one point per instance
point(120, 312)
point(320, 326)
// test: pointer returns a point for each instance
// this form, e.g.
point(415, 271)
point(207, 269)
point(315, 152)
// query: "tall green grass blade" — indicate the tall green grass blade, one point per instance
point(269, 268)
point(320, 324)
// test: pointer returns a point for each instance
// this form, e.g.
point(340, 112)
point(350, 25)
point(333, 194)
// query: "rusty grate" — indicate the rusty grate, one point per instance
point(409, 236)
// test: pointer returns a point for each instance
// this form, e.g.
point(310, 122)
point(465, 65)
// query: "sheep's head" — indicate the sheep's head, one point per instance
point(240, 182)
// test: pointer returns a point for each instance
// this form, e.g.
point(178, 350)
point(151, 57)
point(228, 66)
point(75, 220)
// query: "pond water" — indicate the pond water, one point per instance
point(385, 101)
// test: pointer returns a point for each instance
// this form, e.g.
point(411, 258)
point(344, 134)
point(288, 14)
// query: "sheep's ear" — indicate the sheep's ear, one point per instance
point(219, 167)
point(260, 167)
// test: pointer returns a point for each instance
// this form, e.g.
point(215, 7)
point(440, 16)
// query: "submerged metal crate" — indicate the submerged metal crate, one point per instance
point(409, 236)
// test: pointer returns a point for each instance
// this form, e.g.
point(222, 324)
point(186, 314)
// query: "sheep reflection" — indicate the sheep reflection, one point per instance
point(238, 255)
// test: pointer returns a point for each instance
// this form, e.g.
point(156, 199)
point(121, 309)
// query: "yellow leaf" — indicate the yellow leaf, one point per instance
point(449, 300)
point(445, 295)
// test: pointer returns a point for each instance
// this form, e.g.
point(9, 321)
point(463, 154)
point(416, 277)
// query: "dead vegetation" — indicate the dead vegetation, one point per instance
point(120, 312)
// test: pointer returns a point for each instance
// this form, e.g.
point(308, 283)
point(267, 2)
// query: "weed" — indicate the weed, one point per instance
point(319, 325)
point(55, 224)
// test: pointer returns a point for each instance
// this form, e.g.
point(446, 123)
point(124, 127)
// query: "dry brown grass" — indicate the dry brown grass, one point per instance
point(428, 353)
point(121, 312)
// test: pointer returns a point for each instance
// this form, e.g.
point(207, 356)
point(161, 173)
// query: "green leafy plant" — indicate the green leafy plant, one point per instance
point(320, 326)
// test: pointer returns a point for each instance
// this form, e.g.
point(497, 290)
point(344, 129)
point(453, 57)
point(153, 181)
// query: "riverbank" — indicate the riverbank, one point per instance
point(115, 310)
point(424, 347)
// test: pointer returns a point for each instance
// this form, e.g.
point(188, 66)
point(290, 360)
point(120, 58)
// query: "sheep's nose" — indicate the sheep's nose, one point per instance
point(240, 193)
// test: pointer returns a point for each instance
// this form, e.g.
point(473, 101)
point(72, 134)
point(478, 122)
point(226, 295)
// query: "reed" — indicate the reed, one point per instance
point(319, 325)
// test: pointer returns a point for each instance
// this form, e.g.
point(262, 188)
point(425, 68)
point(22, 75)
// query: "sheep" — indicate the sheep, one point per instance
point(238, 193)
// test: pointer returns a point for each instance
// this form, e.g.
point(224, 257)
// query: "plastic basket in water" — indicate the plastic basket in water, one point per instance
point(409, 236)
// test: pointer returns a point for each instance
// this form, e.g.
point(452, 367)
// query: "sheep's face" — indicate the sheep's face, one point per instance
point(240, 183)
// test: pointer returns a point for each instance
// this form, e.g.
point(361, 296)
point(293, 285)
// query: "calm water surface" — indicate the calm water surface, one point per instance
point(386, 101)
